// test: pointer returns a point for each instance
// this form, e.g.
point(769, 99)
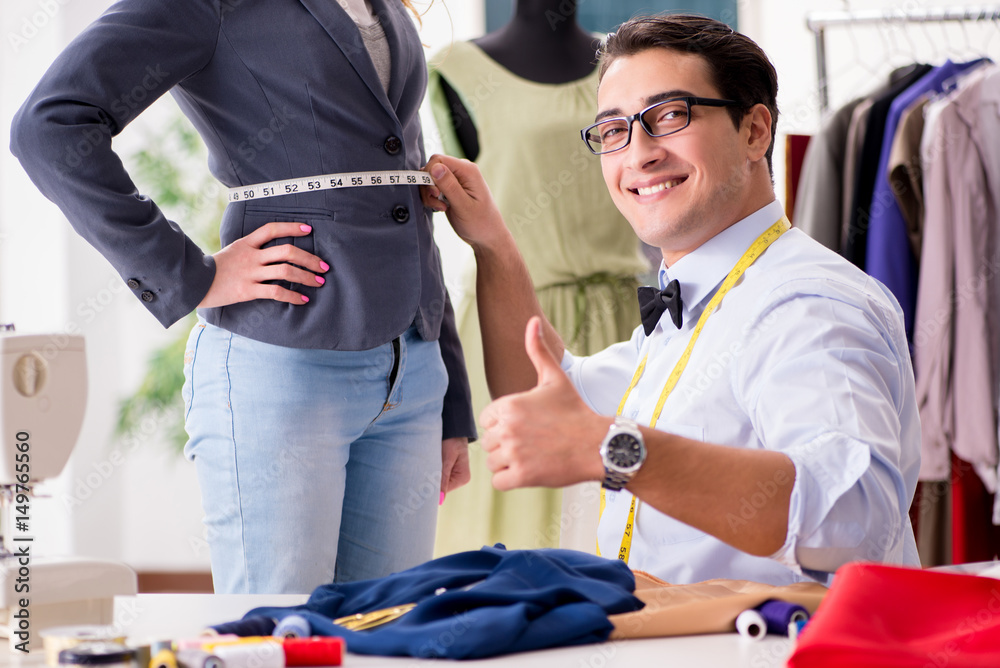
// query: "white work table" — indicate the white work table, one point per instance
point(160, 616)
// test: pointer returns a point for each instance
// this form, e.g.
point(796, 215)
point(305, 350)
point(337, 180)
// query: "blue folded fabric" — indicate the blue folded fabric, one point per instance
point(494, 601)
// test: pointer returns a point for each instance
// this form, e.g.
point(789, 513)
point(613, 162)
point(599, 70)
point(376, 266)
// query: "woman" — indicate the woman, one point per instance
point(324, 416)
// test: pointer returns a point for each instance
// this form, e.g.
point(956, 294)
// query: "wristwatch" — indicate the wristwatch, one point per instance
point(623, 451)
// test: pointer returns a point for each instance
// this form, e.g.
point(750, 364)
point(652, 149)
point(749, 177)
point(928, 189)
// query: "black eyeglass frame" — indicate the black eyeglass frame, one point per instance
point(689, 100)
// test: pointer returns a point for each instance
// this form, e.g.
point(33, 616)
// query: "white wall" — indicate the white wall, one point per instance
point(141, 504)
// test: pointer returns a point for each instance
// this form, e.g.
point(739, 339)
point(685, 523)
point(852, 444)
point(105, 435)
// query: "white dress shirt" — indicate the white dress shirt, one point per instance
point(807, 356)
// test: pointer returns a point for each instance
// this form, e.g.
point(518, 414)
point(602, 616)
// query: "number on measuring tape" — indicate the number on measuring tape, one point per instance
point(329, 182)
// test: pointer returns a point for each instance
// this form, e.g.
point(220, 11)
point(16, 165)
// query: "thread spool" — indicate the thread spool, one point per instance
point(197, 658)
point(265, 654)
point(214, 644)
point(293, 626)
point(314, 651)
point(164, 658)
point(251, 626)
point(201, 642)
point(751, 624)
point(56, 639)
point(779, 614)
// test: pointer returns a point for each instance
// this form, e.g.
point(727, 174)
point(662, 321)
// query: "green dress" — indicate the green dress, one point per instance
point(582, 255)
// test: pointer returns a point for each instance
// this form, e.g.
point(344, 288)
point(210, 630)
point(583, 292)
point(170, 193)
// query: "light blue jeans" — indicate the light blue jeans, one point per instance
point(314, 465)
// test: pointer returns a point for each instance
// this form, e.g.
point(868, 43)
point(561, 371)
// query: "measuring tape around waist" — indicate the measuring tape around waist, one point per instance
point(761, 244)
point(308, 184)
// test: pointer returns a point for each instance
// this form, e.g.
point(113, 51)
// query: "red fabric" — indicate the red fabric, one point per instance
point(882, 616)
point(973, 534)
point(795, 155)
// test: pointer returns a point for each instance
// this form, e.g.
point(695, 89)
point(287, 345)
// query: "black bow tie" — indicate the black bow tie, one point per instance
point(653, 302)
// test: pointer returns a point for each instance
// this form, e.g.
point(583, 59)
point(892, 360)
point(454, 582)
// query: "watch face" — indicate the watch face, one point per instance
point(624, 451)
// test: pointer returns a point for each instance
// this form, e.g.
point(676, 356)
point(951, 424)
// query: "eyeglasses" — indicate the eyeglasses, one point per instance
point(657, 120)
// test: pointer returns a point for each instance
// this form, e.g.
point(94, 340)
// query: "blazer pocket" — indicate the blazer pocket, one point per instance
point(256, 216)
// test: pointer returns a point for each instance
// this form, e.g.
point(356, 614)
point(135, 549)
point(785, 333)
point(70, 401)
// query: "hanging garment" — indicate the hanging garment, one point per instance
point(906, 177)
point(582, 255)
point(957, 332)
point(818, 203)
point(887, 254)
point(855, 241)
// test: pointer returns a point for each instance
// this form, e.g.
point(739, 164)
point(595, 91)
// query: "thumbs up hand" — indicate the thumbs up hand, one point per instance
point(546, 436)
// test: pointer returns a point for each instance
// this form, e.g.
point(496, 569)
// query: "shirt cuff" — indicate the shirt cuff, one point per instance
point(825, 469)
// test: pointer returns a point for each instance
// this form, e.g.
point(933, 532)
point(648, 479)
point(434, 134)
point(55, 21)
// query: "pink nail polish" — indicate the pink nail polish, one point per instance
point(441, 501)
point(305, 228)
point(304, 298)
point(320, 280)
point(324, 266)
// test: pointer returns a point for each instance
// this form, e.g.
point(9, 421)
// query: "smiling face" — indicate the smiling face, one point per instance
point(681, 190)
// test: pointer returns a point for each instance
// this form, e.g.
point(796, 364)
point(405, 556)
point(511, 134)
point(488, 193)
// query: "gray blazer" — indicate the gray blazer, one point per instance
point(277, 89)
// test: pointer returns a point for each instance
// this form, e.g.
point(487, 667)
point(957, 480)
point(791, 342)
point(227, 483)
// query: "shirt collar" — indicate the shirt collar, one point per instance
point(702, 270)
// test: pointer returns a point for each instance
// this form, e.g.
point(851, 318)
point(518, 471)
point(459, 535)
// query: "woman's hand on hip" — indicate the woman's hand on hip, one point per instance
point(242, 267)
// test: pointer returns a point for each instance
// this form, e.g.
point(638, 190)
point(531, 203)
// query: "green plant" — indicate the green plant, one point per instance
point(171, 169)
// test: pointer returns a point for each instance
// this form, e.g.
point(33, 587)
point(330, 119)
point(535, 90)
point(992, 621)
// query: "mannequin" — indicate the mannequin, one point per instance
point(542, 43)
point(513, 101)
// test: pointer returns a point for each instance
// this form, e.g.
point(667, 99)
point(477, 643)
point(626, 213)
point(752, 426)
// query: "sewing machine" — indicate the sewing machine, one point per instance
point(43, 393)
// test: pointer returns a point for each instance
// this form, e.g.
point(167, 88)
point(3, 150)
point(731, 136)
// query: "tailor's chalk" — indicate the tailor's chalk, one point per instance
point(267, 654)
point(314, 651)
point(779, 614)
point(750, 624)
point(293, 626)
point(250, 626)
point(198, 658)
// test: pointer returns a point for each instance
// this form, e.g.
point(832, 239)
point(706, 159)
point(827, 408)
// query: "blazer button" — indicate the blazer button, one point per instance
point(401, 214)
point(147, 296)
point(132, 283)
point(393, 145)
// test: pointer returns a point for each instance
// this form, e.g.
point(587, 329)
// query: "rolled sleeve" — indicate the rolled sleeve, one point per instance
point(835, 394)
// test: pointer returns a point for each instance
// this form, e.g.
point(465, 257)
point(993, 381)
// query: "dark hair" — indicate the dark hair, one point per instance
point(740, 70)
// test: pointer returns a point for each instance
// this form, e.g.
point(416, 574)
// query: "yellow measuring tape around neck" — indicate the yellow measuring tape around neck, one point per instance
point(752, 253)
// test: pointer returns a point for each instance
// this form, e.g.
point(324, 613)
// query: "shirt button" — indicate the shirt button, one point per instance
point(132, 283)
point(401, 214)
point(147, 296)
point(393, 145)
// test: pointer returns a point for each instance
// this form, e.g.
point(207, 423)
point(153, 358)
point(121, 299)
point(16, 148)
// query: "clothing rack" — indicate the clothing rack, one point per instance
point(818, 22)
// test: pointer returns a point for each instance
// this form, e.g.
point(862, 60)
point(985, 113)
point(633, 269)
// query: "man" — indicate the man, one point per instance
point(786, 439)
